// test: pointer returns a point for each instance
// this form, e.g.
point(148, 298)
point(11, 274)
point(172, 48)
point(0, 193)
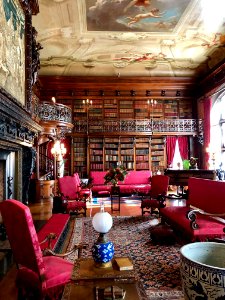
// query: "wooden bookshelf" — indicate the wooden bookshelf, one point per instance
point(158, 161)
point(80, 156)
point(115, 109)
point(96, 152)
point(142, 152)
point(127, 152)
point(141, 109)
point(157, 110)
point(111, 149)
point(126, 109)
point(171, 109)
point(95, 111)
point(185, 109)
point(79, 110)
point(110, 109)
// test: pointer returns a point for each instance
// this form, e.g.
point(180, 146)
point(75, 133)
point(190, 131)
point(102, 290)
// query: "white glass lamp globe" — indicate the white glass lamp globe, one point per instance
point(102, 222)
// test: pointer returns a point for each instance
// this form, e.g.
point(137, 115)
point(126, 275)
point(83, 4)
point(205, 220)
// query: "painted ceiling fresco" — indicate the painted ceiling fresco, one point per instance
point(134, 15)
point(130, 37)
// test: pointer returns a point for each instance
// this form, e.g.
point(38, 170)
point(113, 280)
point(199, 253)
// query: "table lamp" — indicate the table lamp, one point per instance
point(102, 250)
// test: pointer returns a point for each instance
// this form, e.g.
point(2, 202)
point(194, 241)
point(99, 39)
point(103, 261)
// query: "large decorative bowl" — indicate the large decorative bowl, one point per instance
point(203, 271)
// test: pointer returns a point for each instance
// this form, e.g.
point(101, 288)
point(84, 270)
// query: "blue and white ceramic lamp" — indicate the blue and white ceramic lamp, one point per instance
point(102, 250)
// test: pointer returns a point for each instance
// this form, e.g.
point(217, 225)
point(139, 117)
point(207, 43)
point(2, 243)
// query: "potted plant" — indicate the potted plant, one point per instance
point(115, 174)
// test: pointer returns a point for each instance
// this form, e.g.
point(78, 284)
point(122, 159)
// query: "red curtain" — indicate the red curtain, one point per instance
point(170, 148)
point(183, 146)
point(206, 125)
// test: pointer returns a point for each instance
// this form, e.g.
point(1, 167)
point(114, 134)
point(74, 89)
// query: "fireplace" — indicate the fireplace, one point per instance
point(10, 171)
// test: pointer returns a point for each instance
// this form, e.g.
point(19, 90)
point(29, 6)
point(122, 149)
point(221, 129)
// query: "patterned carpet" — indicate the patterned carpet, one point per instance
point(156, 266)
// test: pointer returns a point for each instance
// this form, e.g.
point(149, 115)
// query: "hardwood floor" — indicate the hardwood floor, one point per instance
point(42, 211)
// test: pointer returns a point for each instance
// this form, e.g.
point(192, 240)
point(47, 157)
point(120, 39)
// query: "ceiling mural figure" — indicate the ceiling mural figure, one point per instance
point(142, 14)
point(144, 3)
point(154, 13)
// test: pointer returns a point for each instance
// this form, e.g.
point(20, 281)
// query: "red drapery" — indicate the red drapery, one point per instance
point(207, 110)
point(183, 146)
point(170, 148)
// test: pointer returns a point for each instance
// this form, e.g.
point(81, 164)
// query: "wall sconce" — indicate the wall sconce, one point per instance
point(163, 93)
point(53, 100)
point(152, 102)
point(102, 250)
point(87, 102)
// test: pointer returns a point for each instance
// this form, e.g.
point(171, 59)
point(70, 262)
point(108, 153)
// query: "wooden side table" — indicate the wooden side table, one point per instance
point(89, 280)
point(84, 269)
point(115, 195)
point(87, 290)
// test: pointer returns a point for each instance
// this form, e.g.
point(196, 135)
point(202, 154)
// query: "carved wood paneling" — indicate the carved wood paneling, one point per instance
point(76, 87)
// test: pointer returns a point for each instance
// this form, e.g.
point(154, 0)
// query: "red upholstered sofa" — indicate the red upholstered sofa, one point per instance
point(135, 182)
point(204, 216)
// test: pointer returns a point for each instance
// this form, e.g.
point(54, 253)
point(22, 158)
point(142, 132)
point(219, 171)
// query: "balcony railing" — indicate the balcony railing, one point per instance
point(55, 112)
point(55, 118)
point(147, 126)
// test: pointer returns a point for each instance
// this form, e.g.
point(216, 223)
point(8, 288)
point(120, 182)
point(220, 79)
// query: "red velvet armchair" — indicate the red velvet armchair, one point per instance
point(159, 188)
point(38, 276)
point(72, 198)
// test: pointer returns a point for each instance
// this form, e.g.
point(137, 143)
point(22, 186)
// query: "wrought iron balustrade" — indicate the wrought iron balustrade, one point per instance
point(55, 112)
point(147, 126)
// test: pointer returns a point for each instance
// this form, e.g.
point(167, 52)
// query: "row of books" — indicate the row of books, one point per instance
point(110, 151)
point(142, 166)
point(142, 157)
point(142, 151)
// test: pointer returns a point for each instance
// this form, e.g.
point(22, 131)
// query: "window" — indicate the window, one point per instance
point(177, 160)
point(217, 134)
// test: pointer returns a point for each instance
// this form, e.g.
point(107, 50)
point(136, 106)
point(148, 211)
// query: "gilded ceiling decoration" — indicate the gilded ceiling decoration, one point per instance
point(136, 37)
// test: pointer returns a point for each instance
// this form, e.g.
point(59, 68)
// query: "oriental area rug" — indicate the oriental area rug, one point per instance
point(156, 265)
